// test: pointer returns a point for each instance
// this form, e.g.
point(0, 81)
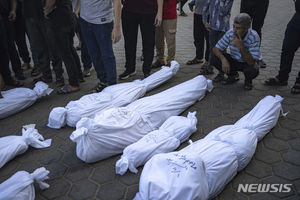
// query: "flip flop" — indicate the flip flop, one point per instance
point(194, 61)
point(65, 90)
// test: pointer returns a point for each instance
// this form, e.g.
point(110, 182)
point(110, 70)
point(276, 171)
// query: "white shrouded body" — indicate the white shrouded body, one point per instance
point(112, 96)
point(109, 132)
point(223, 152)
point(20, 185)
point(167, 138)
point(11, 146)
point(18, 99)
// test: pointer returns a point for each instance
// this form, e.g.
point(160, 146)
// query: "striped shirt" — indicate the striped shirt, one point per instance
point(219, 14)
point(251, 43)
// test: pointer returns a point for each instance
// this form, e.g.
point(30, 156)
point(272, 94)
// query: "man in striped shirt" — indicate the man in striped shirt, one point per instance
point(243, 43)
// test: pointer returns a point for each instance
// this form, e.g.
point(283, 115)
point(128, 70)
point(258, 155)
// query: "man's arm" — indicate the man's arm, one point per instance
point(205, 11)
point(158, 17)
point(12, 13)
point(77, 9)
point(116, 33)
point(225, 63)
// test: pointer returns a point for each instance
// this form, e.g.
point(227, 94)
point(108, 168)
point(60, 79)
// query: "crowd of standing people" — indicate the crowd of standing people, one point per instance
point(50, 26)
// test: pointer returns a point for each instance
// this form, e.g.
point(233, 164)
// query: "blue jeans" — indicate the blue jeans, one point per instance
point(97, 38)
point(290, 45)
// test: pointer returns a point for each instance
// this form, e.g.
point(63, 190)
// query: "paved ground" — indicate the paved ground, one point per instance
point(277, 159)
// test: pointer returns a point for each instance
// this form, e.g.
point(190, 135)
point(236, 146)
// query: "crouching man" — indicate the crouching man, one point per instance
point(244, 56)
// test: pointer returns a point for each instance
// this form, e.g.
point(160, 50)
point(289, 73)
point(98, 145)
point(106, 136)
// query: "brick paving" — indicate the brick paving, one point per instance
point(277, 158)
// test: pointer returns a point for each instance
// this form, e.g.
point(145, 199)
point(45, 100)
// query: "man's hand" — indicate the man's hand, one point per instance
point(116, 35)
point(225, 66)
point(158, 19)
point(49, 7)
point(207, 26)
point(77, 12)
point(237, 41)
point(12, 15)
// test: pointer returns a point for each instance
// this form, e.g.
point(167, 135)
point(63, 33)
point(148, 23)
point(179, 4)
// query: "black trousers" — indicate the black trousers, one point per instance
point(250, 72)
point(130, 23)
point(200, 34)
point(4, 57)
point(20, 35)
point(257, 9)
point(291, 44)
point(12, 50)
point(61, 38)
point(38, 33)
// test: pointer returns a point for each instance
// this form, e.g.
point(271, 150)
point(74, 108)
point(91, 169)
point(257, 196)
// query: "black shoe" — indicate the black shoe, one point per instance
point(248, 86)
point(126, 74)
point(20, 76)
point(263, 64)
point(146, 75)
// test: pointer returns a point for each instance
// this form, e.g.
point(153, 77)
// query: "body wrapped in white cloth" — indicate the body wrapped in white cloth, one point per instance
point(167, 138)
point(112, 96)
point(109, 132)
point(20, 185)
point(18, 99)
point(223, 152)
point(11, 146)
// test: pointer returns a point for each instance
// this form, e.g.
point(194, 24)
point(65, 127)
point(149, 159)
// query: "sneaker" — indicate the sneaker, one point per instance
point(86, 72)
point(99, 87)
point(183, 14)
point(219, 78)
point(126, 74)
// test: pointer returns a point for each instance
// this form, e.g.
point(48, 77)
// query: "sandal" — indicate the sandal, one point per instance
point(35, 71)
point(194, 61)
point(231, 80)
point(296, 89)
point(205, 71)
point(99, 87)
point(275, 82)
point(66, 90)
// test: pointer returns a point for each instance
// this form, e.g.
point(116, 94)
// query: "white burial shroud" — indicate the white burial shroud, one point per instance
point(11, 146)
point(112, 96)
point(20, 185)
point(109, 132)
point(18, 99)
point(207, 165)
point(167, 138)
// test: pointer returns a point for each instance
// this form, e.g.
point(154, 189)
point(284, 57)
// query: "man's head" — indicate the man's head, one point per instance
point(241, 24)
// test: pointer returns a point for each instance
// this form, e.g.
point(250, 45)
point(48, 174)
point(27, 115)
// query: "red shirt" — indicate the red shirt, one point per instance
point(169, 9)
point(141, 6)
